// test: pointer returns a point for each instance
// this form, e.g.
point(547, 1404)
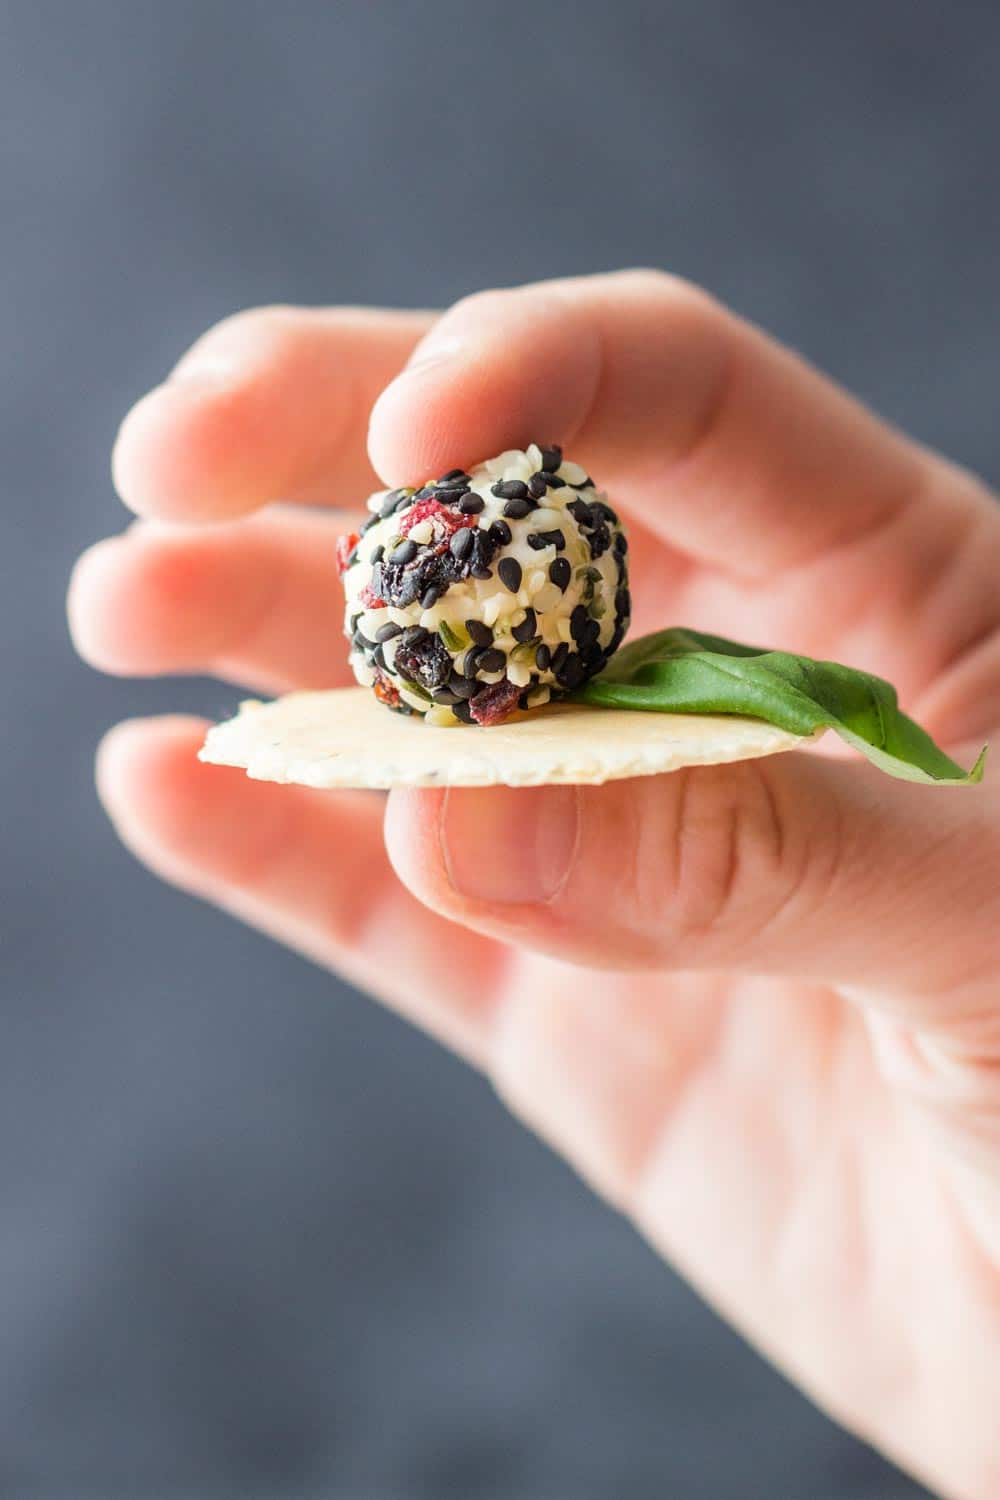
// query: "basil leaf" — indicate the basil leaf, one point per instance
point(684, 671)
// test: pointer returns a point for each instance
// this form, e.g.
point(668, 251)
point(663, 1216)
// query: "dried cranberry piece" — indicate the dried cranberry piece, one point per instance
point(495, 703)
point(370, 599)
point(345, 546)
point(385, 691)
point(432, 510)
point(428, 663)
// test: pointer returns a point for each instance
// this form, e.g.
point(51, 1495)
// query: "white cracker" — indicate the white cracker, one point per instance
point(346, 738)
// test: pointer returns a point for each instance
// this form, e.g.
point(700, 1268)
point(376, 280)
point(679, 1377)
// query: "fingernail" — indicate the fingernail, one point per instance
point(434, 352)
point(507, 845)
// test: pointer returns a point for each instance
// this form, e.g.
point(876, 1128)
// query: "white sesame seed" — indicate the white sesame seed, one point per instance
point(572, 473)
point(538, 696)
point(421, 533)
point(519, 673)
point(492, 607)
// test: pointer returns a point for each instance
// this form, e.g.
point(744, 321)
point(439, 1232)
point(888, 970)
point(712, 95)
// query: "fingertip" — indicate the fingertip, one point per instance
point(92, 585)
point(500, 371)
point(190, 450)
point(413, 843)
point(141, 764)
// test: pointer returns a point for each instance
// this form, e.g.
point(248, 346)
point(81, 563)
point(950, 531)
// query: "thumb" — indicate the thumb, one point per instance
point(795, 865)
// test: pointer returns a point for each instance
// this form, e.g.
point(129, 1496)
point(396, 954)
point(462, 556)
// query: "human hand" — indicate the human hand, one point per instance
point(756, 1005)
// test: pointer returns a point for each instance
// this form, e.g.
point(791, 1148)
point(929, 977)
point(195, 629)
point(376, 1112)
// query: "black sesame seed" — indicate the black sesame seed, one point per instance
point(461, 543)
point(471, 661)
point(471, 503)
point(501, 533)
point(537, 486)
point(389, 504)
point(424, 494)
point(551, 458)
point(551, 481)
point(600, 540)
point(371, 521)
point(378, 658)
point(414, 635)
point(404, 553)
point(615, 640)
point(526, 630)
point(430, 597)
point(510, 489)
point(581, 512)
point(621, 543)
point(378, 554)
point(586, 484)
point(543, 658)
point(464, 712)
point(540, 539)
point(509, 570)
point(516, 510)
point(388, 631)
point(491, 661)
point(445, 696)
point(462, 687)
point(452, 475)
point(577, 621)
point(354, 622)
point(559, 656)
point(481, 571)
point(479, 634)
point(361, 642)
point(560, 573)
point(623, 603)
point(589, 634)
point(572, 673)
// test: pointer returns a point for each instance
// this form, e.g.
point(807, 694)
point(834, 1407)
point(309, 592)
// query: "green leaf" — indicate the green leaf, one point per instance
point(683, 671)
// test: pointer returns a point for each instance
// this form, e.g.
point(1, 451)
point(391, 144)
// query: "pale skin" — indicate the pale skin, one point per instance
point(756, 1006)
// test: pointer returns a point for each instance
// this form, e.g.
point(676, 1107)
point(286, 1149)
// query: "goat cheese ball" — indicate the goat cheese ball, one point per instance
point(486, 592)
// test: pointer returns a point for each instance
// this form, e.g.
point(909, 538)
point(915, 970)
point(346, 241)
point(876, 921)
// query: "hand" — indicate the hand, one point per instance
point(756, 1005)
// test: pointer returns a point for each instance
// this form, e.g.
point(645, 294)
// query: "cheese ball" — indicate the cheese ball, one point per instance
point(487, 592)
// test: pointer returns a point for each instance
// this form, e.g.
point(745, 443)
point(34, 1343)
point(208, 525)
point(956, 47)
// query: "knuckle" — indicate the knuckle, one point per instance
point(675, 295)
point(730, 861)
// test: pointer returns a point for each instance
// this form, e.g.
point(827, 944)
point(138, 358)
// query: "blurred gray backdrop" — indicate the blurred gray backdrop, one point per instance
point(256, 1237)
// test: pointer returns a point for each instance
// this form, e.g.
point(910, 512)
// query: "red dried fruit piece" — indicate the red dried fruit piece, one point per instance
point(345, 546)
point(432, 510)
point(385, 691)
point(494, 703)
point(371, 600)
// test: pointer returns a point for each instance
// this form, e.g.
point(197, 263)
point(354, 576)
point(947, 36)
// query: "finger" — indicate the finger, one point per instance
point(258, 602)
point(794, 866)
point(269, 405)
point(821, 520)
point(744, 454)
point(307, 867)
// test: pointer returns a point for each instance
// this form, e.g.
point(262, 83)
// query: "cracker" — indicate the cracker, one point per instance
point(346, 738)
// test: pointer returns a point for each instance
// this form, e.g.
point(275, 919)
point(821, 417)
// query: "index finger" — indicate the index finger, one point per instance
point(739, 452)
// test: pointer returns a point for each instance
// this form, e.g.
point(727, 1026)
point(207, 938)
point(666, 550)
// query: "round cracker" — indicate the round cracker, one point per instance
point(346, 738)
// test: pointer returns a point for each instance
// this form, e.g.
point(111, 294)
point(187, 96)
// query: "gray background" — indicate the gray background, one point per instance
point(255, 1236)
